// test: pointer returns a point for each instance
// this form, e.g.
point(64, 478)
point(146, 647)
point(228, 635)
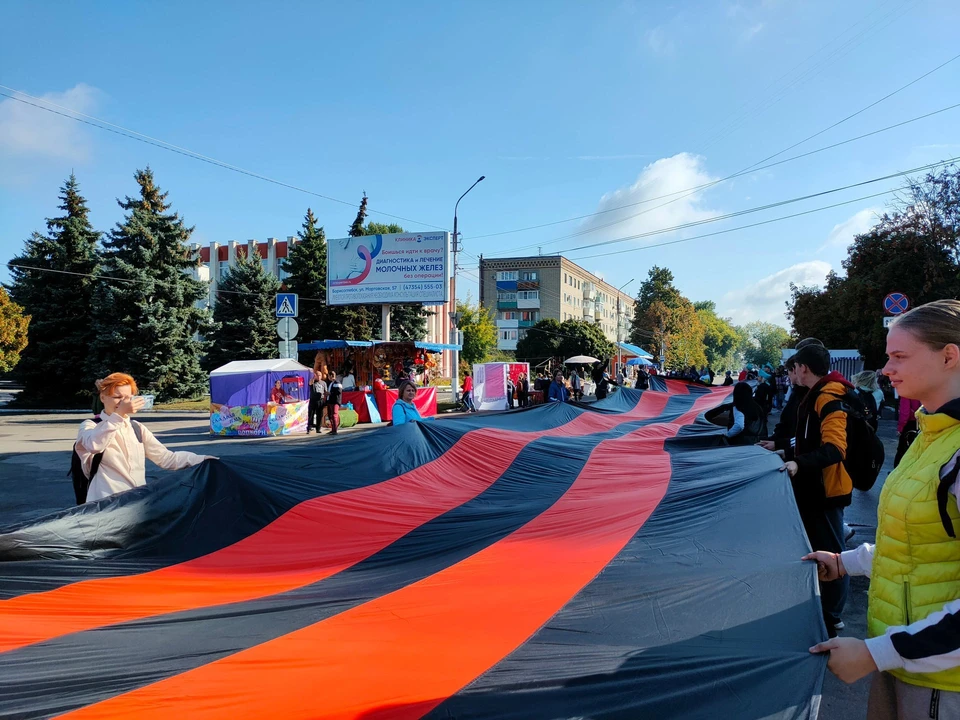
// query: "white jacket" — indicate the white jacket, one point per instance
point(123, 465)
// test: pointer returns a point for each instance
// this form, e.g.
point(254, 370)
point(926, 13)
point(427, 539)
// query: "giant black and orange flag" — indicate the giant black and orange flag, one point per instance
point(611, 561)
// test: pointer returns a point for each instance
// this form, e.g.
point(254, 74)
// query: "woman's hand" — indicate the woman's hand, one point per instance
point(130, 405)
point(767, 444)
point(849, 660)
point(790, 467)
point(829, 565)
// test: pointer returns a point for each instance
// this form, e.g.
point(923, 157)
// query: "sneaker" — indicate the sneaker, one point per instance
point(838, 626)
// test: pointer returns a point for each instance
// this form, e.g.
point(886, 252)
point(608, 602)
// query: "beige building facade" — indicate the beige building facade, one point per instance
point(522, 291)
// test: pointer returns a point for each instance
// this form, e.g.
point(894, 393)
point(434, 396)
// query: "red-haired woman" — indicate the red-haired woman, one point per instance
point(122, 446)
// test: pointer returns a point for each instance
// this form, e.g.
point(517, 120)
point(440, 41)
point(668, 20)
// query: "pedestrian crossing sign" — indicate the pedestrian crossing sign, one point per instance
point(287, 305)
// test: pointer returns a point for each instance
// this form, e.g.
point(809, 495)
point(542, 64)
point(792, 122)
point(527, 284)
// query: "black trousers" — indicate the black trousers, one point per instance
point(825, 531)
point(314, 414)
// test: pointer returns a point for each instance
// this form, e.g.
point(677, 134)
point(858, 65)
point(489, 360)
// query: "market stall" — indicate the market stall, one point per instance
point(259, 398)
point(376, 368)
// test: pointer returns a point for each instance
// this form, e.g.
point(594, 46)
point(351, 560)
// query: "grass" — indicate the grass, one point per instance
point(202, 404)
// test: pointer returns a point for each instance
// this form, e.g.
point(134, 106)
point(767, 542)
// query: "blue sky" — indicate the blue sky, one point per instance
point(568, 108)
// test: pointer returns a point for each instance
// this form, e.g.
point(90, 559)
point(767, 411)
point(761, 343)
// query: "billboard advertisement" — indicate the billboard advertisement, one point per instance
point(399, 268)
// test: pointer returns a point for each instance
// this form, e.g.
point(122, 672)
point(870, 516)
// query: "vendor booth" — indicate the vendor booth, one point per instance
point(376, 367)
point(259, 398)
point(490, 383)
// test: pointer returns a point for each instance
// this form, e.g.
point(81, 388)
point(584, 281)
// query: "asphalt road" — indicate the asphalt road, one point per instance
point(35, 457)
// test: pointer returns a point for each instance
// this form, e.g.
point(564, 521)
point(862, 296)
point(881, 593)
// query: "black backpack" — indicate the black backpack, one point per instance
point(81, 483)
point(865, 453)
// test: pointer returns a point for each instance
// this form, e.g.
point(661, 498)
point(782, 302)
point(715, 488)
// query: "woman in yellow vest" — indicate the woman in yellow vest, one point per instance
point(913, 617)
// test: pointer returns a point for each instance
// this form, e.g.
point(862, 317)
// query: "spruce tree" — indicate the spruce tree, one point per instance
point(148, 311)
point(244, 314)
point(57, 296)
point(306, 265)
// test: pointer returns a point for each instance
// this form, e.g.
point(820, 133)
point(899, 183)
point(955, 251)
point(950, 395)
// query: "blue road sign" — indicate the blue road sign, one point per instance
point(896, 303)
point(287, 305)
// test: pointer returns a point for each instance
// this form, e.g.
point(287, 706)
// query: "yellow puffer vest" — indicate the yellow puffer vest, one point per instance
point(916, 565)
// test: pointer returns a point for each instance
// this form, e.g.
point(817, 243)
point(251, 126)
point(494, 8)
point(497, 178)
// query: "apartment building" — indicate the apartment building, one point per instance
point(524, 290)
point(216, 259)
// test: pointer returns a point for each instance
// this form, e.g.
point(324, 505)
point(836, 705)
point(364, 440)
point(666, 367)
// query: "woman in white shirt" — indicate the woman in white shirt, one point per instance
point(122, 466)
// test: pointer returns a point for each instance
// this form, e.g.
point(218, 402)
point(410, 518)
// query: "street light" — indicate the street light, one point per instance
point(619, 353)
point(454, 315)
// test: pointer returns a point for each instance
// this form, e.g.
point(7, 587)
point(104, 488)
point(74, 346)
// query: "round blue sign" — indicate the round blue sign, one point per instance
point(896, 303)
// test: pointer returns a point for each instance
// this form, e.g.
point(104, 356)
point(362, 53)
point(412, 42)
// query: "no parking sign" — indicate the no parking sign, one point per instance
point(896, 303)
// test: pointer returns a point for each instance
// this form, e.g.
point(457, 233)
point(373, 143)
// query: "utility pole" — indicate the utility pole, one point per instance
point(619, 353)
point(454, 315)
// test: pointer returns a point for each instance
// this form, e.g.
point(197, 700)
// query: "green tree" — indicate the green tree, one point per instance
point(306, 266)
point(913, 248)
point(657, 288)
point(765, 342)
point(244, 314)
point(479, 332)
point(552, 339)
point(541, 342)
point(678, 333)
point(149, 312)
point(57, 295)
point(13, 332)
point(721, 339)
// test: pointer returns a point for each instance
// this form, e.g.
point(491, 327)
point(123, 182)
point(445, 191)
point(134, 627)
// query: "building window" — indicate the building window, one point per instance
point(508, 315)
point(530, 315)
point(508, 334)
point(506, 296)
point(528, 295)
point(507, 275)
point(222, 268)
point(529, 275)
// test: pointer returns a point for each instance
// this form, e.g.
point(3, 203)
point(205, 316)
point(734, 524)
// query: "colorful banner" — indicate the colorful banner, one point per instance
point(258, 420)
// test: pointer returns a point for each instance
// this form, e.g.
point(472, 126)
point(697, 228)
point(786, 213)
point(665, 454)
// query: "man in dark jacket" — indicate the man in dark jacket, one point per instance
point(821, 484)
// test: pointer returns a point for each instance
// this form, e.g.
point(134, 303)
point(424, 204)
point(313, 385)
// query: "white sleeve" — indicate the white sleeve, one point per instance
point(94, 437)
point(858, 561)
point(738, 423)
point(926, 646)
point(167, 459)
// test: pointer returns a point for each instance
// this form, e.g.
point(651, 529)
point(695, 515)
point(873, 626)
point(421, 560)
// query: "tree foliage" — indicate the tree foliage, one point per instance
point(13, 332)
point(244, 315)
point(479, 332)
point(306, 266)
point(148, 312)
point(550, 338)
point(913, 248)
point(57, 296)
point(764, 343)
point(664, 321)
point(722, 340)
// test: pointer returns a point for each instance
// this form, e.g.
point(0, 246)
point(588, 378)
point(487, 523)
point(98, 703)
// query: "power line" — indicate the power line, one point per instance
point(763, 207)
point(741, 227)
point(163, 145)
point(750, 168)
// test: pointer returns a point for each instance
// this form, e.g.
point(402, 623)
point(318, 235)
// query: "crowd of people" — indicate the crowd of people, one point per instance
point(823, 430)
point(825, 435)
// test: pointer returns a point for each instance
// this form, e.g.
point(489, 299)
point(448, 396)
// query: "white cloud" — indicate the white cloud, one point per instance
point(843, 233)
point(638, 213)
point(31, 132)
point(751, 31)
point(659, 42)
point(764, 299)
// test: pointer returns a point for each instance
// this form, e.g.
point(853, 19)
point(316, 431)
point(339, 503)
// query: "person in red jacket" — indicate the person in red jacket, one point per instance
point(467, 396)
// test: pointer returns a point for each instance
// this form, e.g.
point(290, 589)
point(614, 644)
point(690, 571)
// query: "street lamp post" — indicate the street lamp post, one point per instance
point(619, 353)
point(454, 315)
